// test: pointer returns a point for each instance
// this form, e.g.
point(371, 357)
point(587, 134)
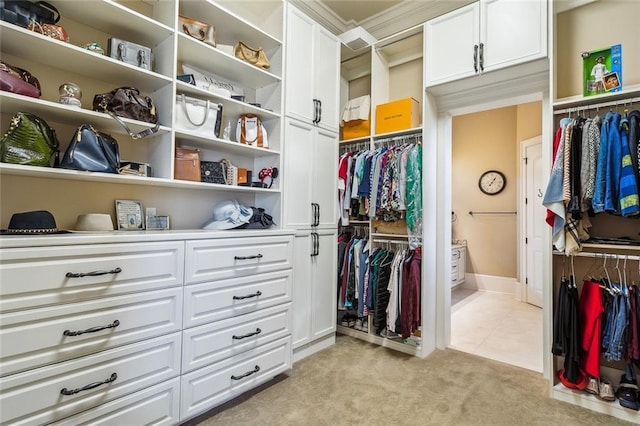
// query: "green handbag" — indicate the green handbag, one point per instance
point(29, 141)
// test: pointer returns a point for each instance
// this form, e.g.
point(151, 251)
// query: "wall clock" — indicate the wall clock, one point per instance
point(492, 182)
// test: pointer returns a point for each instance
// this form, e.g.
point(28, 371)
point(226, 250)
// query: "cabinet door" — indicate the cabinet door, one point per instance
point(324, 284)
point(325, 177)
point(512, 32)
point(298, 161)
point(450, 40)
point(301, 331)
point(299, 68)
point(326, 68)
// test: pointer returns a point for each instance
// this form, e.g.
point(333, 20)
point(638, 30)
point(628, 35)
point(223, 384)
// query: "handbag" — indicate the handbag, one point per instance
point(130, 53)
point(18, 80)
point(92, 151)
point(187, 164)
point(29, 141)
point(127, 102)
point(253, 56)
point(23, 12)
point(214, 171)
point(198, 116)
point(199, 30)
point(251, 131)
point(50, 30)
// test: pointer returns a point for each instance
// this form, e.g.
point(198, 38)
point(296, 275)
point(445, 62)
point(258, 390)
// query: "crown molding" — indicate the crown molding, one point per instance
point(404, 15)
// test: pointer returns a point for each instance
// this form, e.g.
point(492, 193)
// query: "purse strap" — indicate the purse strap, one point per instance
point(186, 112)
point(243, 129)
point(142, 134)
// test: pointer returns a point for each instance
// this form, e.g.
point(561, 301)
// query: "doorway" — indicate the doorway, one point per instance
point(493, 312)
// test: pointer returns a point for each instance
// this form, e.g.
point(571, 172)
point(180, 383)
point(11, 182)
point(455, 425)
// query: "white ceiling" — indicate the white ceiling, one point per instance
point(358, 10)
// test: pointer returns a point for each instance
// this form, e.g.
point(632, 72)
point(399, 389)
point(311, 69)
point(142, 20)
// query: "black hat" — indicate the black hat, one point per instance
point(40, 222)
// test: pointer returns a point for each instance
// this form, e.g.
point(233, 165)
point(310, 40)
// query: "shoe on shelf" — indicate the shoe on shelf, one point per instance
point(593, 387)
point(627, 393)
point(605, 391)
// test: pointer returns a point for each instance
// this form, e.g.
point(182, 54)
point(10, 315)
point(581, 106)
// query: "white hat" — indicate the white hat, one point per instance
point(228, 215)
point(94, 222)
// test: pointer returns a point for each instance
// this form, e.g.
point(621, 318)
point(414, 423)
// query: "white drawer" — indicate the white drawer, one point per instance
point(210, 386)
point(209, 260)
point(158, 405)
point(35, 396)
point(36, 277)
point(213, 301)
point(210, 343)
point(37, 337)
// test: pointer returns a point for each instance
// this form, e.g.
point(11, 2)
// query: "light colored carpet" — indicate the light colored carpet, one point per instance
point(358, 383)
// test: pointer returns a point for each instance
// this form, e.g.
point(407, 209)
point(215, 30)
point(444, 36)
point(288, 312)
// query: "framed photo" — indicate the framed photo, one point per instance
point(130, 215)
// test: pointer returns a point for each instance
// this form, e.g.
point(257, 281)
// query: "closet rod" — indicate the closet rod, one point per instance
point(605, 255)
point(596, 106)
point(403, 138)
point(473, 213)
point(399, 242)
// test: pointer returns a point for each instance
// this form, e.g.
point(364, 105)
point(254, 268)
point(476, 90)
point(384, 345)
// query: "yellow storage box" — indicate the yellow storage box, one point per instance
point(397, 115)
point(356, 129)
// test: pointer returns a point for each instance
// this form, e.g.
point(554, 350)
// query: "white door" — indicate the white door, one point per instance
point(450, 41)
point(299, 66)
point(325, 177)
point(512, 32)
point(301, 330)
point(326, 69)
point(324, 272)
point(298, 161)
point(535, 224)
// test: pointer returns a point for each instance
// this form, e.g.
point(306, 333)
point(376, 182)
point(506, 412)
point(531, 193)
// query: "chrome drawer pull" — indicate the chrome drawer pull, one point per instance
point(255, 333)
point(65, 391)
point(92, 274)
point(92, 329)
point(255, 256)
point(248, 373)
point(248, 296)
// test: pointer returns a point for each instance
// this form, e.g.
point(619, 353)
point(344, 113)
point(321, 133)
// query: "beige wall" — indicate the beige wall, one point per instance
point(405, 81)
point(490, 140)
point(595, 26)
point(360, 87)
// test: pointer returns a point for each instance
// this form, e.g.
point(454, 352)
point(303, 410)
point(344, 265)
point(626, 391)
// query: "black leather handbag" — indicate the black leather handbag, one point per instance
point(23, 12)
point(92, 151)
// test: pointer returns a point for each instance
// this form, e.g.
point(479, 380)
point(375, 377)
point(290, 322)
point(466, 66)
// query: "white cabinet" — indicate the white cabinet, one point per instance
point(311, 180)
point(484, 36)
point(312, 71)
point(458, 265)
point(315, 291)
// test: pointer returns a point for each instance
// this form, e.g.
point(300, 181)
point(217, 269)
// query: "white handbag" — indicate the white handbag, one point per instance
point(251, 131)
point(198, 116)
point(211, 82)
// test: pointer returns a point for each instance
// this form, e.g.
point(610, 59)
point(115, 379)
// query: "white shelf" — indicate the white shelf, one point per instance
point(581, 101)
point(583, 399)
point(221, 145)
point(405, 132)
point(382, 341)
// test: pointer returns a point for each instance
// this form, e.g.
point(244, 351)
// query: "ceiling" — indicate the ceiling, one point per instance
point(358, 11)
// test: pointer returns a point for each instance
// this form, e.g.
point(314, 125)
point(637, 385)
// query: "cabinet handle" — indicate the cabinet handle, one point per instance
point(481, 56)
point(65, 391)
point(475, 57)
point(316, 244)
point(248, 373)
point(319, 111)
point(316, 214)
point(92, 274)
point(255, 333)
point(315, 111)
point(248, 296)
point(255, 256)
point(92, 329)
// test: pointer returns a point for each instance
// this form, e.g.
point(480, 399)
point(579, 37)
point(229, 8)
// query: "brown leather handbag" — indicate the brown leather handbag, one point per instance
point(199, 30)
point(187, 164)
point(50, 30)
point(253, 56)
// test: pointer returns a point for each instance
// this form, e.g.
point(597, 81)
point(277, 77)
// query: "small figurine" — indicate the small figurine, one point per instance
point(70, 94)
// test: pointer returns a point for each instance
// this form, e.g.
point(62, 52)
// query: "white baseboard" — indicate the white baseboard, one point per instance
point(493, 283)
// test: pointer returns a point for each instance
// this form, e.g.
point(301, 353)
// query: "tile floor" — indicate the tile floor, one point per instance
point(496, 326)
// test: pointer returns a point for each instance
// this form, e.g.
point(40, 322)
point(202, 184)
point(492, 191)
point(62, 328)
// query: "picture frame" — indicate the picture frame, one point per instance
point(130, 215)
